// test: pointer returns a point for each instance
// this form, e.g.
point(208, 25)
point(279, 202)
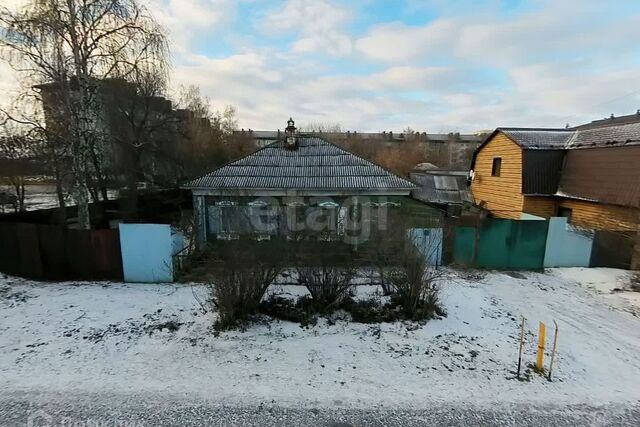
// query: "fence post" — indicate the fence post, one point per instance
point(521, 345)
point(553, 352)
point(541, 340)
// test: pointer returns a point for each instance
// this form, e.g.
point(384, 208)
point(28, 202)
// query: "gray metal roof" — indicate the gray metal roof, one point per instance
point(624, 134)
point(315, 165)
point(536, 138)
point(443, 189)
point(560, 139)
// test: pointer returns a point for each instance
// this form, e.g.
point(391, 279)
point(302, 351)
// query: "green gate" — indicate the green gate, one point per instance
point(502, 244)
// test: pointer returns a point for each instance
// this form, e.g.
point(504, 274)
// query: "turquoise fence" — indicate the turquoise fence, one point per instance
point(147, 251)
point(429, 243)
point(502, 244)
point(566, 246)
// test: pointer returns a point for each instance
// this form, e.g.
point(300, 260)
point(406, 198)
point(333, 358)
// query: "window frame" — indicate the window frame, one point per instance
point(496, 167)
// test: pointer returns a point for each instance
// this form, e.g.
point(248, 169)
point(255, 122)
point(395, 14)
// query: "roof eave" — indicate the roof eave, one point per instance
point(283, 192)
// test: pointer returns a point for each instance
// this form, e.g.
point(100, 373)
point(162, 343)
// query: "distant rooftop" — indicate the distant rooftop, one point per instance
point(383, 136)
point(448, 187)
point(610, 121)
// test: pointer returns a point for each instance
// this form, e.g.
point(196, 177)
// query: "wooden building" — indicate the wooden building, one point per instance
point(589, 174)
point(300, 182)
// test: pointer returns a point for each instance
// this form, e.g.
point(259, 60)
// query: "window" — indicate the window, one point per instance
point(497, 164)
point(565, 212)
point(263, 218)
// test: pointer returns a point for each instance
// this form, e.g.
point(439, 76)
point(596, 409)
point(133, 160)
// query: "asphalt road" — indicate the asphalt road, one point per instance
point(29, 409)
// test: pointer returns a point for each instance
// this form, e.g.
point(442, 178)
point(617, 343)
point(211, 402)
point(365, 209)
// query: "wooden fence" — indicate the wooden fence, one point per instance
point(50, 252)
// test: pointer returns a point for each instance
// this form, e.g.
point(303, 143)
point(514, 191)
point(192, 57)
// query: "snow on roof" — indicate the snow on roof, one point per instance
point(549, 139)
point(532, 138)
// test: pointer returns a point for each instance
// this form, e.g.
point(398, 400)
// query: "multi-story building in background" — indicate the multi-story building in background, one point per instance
point(137, 135)
point(452, 151)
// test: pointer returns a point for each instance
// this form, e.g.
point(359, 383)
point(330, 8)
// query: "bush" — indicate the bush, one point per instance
point(414, 289)
point(300, 311)
point(238, 289)
point(367, 311)
point(329, 286)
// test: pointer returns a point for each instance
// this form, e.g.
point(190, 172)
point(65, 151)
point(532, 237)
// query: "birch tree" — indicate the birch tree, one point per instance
point(68, 48)
point(23, 123)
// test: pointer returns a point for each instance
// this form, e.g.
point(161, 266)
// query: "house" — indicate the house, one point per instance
point(301, 182)
point(588, 174)
point(446, 189)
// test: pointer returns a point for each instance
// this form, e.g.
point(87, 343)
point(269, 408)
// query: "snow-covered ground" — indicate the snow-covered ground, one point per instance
point(43, 196)
point(138, 338)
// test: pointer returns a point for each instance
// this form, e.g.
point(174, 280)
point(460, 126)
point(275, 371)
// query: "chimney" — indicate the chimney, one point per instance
point(291, 138)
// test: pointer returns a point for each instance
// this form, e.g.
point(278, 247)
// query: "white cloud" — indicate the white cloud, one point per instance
point(554, 63)
point(398, 42)
point(318, 23)
point(557, 28)
point(267, 88)
point(14, 4)
point(188, 20)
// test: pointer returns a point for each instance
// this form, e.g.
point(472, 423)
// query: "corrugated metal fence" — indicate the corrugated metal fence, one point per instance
point(502, 244)
point(507, 244)
point(50, 252)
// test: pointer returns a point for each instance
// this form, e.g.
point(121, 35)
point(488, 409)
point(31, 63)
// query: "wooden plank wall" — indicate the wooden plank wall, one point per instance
point(599, 216)
point(502, 194)
point(545, 207)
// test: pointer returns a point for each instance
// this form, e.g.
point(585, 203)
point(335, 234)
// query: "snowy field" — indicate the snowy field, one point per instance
point(85, 338)
point(43, 196)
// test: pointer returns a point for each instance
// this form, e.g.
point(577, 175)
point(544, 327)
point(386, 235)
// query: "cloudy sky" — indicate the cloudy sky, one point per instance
point(434, 65)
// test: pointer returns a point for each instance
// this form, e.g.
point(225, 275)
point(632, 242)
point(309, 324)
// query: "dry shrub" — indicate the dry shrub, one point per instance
point(239, 284)
point(415, 289)
point(329, 286)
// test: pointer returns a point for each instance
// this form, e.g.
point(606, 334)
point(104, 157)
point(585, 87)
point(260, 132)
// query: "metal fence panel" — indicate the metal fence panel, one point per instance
point(612, 249)
point(50, 252)
point(464, 246)
point(502, 244)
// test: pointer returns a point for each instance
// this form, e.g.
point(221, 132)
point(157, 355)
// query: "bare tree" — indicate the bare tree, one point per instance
point(142, 128)
point(321, 127)
point(24, 120)
point(397, 157)
point(67, 48)
point(18, 149)
point(209, 137)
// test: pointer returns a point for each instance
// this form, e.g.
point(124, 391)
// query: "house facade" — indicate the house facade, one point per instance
point(299, 184)
point(589, 175)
